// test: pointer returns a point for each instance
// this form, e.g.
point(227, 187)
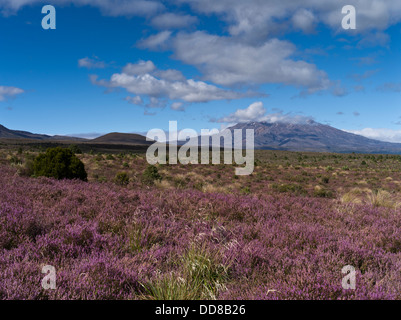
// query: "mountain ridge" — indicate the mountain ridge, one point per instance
point(6, 133)
point(309, 136)
point(312, 136)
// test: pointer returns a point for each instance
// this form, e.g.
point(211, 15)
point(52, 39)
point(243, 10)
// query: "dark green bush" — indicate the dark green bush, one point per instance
point(121, 179)
point(325, 180)
point(59, 163)
point(323, 193)
point(289, 188)
point(74, 148)
point(245, 190)
point(150, 175)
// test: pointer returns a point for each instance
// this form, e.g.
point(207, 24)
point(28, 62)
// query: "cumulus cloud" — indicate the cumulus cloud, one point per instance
point(225, 61)
point(156, 41)
point(170, 75)
point(107, 7)
point(143, 79)
point(255, 17)
point(9, 92)
point(258, 113)
point(173, 21)
point(140, 68)
point(254, 112)
point(387, 135)
point(91, 63)
point(304, 20)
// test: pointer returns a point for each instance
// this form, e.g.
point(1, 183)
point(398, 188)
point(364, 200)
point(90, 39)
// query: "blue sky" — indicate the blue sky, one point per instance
point(130, 66)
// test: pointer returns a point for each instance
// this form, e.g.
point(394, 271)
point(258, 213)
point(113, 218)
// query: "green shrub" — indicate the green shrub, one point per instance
point(326, 180)
point(15, 160)
point(289, 188)
point(121, 179)
point(150, 175)
point(74, 148)
point(245, 190)
point(27, 169)
point(59, 163)
point(323, 193)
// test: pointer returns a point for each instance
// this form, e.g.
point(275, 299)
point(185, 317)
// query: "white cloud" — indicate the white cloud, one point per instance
point(91, 63)
point(256, 18)
point(252, 17)
point(170, 75)
point(387, 135)
point(157, 41)
point(173, 21)
point(140, 68)
point(9, 92)
point(135, 80)
point(304, 20)
point(135, 100)
point(255, 112)
point(107, 7)
point(258, 113)
point(228, 62)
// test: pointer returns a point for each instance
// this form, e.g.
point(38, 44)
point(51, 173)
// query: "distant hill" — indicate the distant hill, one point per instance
point(123, 138)
point(313, 136)
point(309, 136)
point(111, 138)
point(6, 133)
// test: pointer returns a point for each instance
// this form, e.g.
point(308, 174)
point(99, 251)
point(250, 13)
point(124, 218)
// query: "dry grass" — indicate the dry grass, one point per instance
point(210, 188)
point(163, 184)
point(381, 198)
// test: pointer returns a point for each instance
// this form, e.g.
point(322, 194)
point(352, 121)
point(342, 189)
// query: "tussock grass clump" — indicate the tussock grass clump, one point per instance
point(202, 276)
point(379, 198)
point(353, 196)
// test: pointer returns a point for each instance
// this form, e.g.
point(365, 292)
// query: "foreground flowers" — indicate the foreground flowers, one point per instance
point(110, 242)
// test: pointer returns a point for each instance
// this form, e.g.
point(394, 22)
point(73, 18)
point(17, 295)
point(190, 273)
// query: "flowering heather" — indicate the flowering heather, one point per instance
point(112, 242)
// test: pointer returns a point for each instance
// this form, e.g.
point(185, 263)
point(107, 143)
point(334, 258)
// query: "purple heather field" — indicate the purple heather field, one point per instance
point(109, 240)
